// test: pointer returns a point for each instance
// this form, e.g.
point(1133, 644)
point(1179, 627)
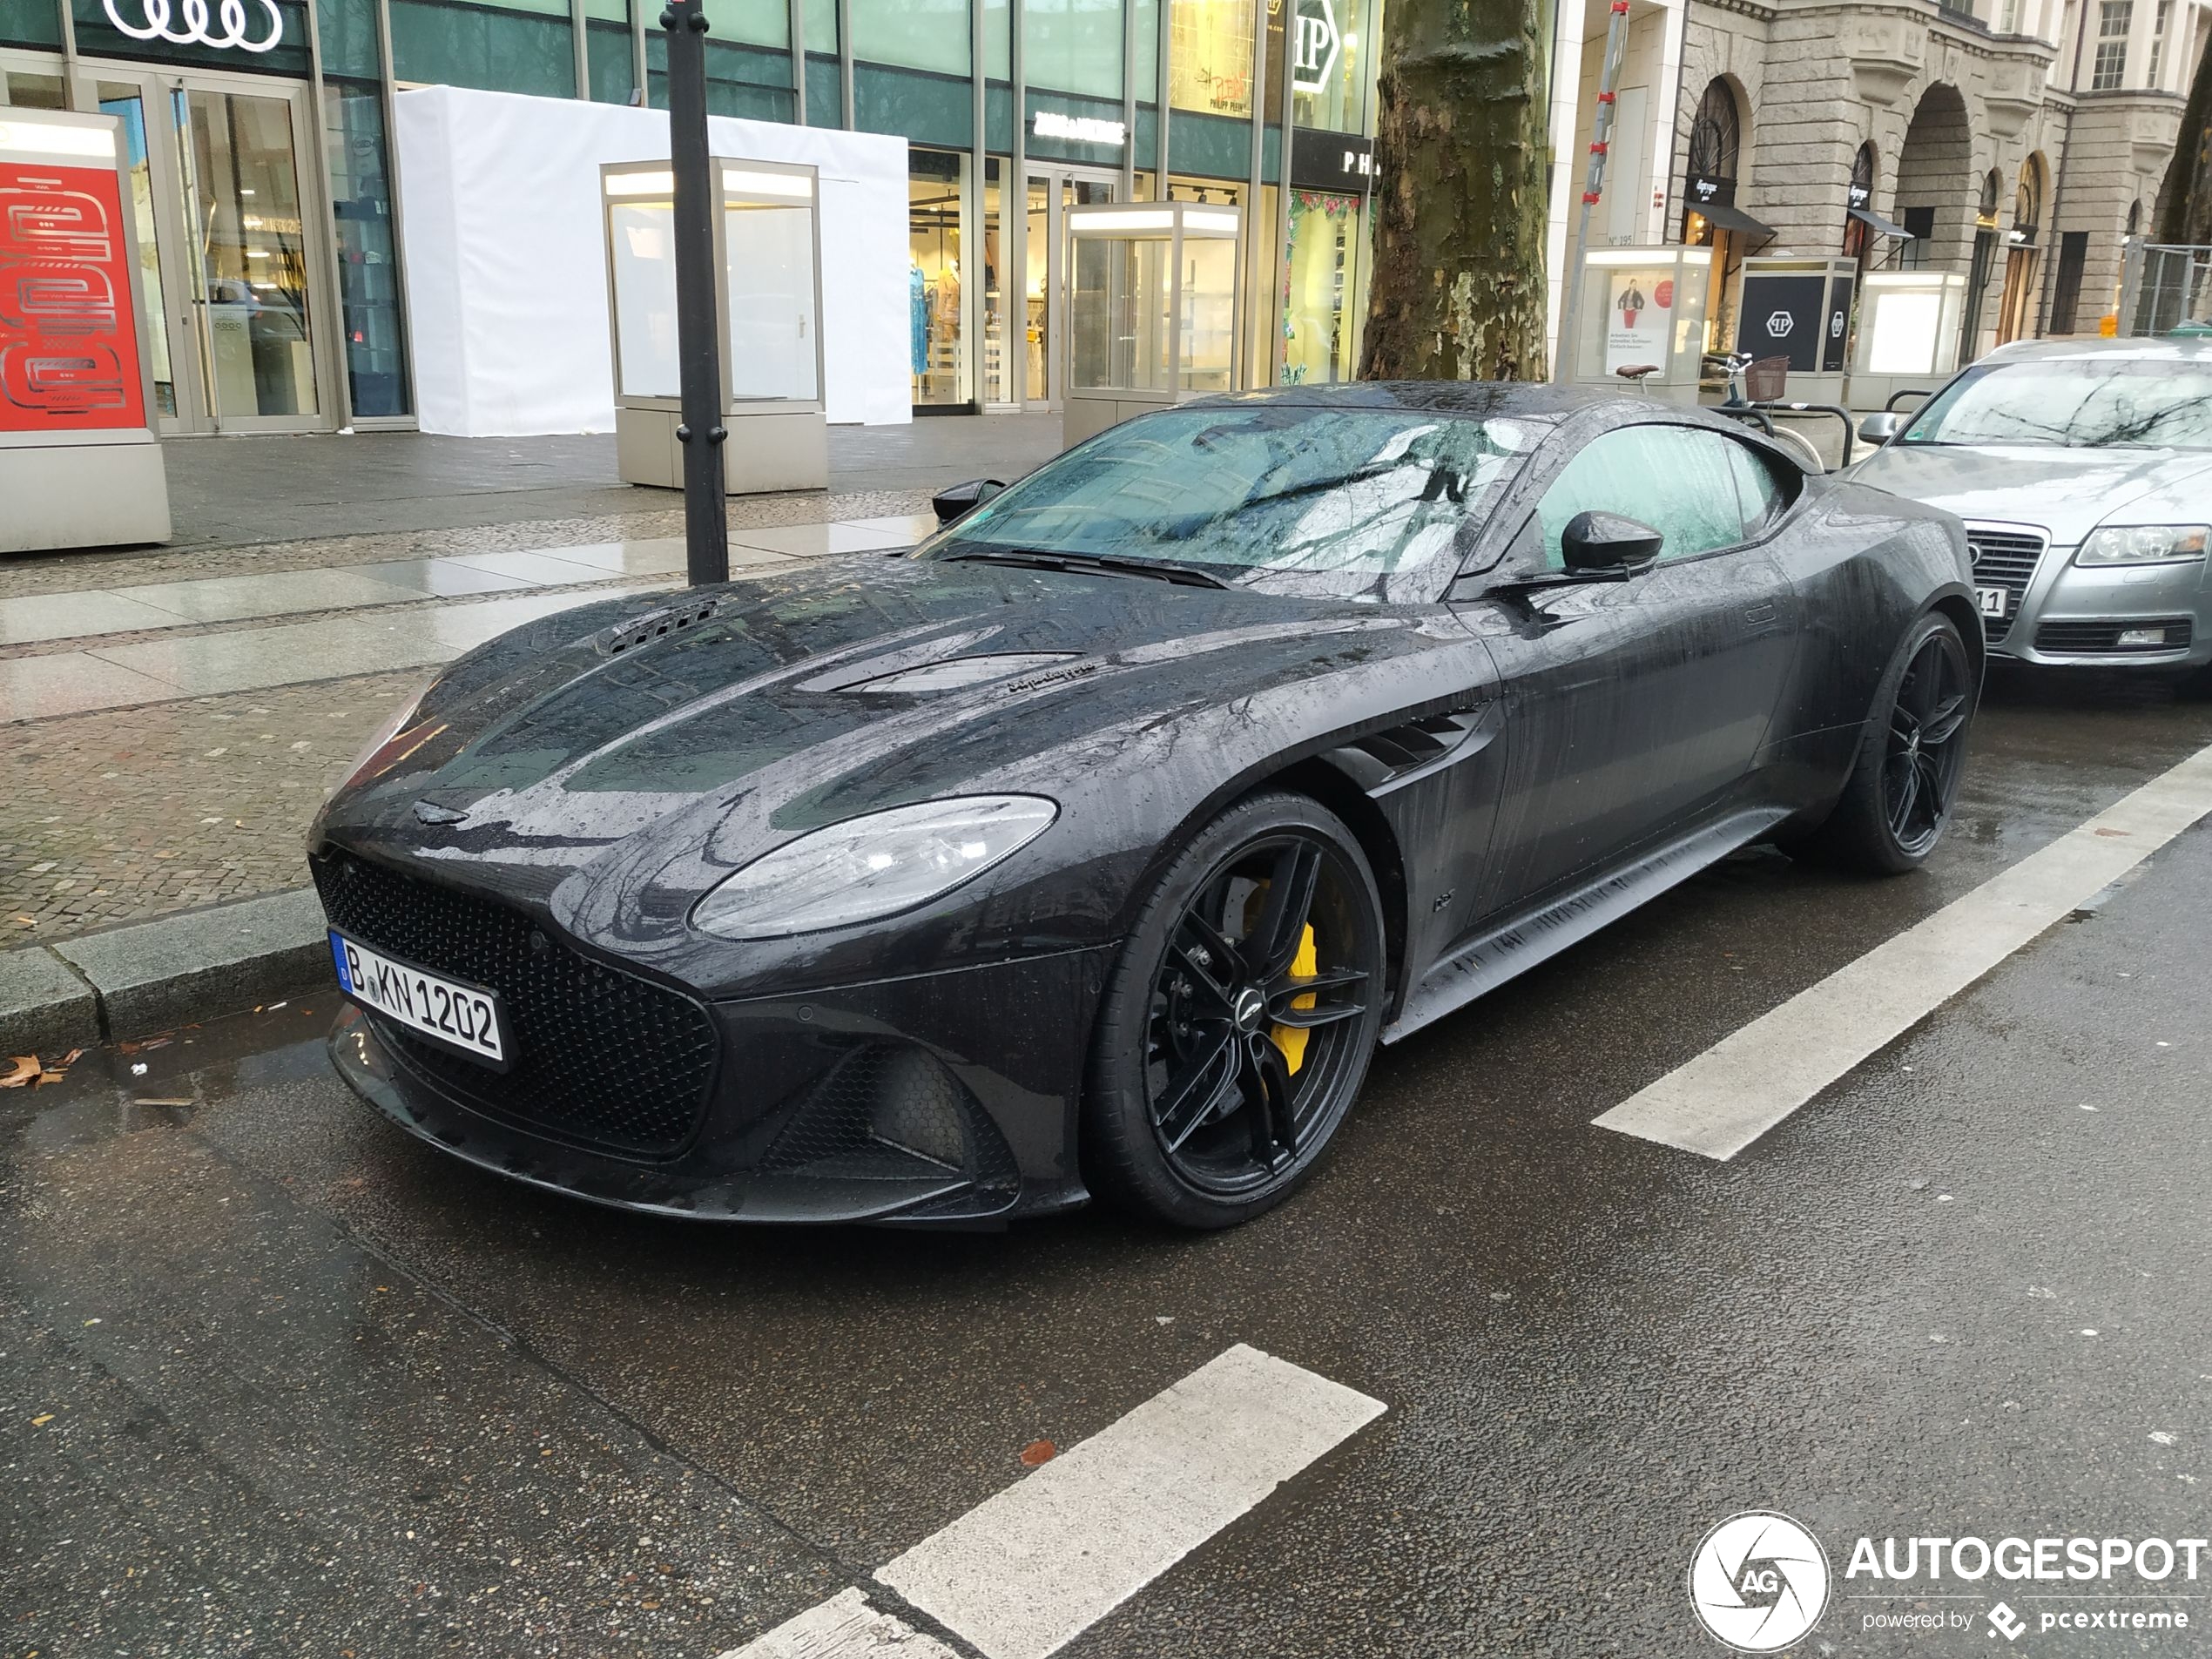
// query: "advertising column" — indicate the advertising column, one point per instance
point(80, 465)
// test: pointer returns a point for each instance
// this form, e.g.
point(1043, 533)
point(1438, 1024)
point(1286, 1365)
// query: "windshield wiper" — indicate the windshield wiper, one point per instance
point(1092, 564)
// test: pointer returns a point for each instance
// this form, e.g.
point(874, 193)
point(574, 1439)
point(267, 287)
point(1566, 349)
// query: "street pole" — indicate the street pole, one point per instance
point(699, 334)
point(1617, 46)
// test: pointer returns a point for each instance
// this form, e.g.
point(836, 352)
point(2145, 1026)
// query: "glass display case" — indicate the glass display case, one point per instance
point(80, 461)
point(1799, 309)
point(1642, 309)
point(768, 252)
point(1908, 335)
point(1151, 309)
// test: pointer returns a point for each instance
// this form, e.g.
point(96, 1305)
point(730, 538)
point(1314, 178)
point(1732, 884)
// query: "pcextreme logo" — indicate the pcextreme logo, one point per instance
point(1759, 1581)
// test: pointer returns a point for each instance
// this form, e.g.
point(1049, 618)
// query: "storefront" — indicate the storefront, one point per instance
point(267, 191)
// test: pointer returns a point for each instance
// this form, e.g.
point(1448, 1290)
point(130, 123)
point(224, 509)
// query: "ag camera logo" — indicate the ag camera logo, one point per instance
point(1759, 1581)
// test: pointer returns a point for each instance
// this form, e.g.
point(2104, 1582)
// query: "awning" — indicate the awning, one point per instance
point(1876, 223)
point(1729, 218)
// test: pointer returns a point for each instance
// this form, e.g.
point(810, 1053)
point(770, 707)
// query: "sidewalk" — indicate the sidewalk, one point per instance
point(169, 720)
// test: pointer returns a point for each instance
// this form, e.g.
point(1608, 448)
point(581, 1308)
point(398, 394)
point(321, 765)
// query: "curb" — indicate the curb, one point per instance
point(147, 976)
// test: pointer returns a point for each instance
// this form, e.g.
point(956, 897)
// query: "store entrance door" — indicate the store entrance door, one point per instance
point(229, 230)
point(1052, 191)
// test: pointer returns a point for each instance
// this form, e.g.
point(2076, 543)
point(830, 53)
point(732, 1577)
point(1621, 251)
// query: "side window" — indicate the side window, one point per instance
point(1763, 496)
point(1678, 479)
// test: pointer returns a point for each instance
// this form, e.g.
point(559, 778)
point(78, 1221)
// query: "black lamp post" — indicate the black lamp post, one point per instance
point(698, 335)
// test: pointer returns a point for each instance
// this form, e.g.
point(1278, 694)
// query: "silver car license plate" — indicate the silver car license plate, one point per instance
point(1992, 601)
point(463, 1017)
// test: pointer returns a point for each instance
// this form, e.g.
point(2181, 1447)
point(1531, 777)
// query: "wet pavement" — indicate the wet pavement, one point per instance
point(274, 1379)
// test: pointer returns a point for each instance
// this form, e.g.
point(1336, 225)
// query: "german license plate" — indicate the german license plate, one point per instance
point(463, 1017)
point(1992, 602)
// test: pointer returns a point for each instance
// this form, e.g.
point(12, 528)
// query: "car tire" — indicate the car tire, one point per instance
point(1881, 825)
point(1195, 1112)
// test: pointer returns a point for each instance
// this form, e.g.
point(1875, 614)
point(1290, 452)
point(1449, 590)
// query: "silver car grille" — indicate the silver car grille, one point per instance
point(2004, 559)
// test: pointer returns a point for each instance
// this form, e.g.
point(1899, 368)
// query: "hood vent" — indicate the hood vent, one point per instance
point(658, 625)
point(960, 672)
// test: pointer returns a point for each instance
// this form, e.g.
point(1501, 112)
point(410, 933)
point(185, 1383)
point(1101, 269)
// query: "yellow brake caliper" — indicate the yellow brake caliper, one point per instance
point(1291, 1039)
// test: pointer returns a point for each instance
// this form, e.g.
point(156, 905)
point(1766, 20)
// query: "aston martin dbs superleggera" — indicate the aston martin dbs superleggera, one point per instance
point(1093, 845)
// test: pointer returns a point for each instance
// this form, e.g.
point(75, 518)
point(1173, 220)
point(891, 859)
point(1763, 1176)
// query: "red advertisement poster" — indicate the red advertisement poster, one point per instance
point(68, 342)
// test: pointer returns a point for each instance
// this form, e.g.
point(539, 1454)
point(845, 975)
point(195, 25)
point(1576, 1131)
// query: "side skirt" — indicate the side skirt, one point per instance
point(1474, 969)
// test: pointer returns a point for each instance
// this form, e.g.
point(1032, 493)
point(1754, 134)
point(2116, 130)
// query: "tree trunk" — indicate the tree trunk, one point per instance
point(2184, 212)
point(1461, 196)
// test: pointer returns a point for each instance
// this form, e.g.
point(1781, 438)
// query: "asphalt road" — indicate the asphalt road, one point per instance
point(274, 1380)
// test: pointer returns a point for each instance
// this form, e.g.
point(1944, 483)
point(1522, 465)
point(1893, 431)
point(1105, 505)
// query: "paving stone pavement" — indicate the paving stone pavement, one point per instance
point(127, 813)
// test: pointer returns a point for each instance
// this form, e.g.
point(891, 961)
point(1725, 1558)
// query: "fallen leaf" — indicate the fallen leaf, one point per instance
point(37, 1422)
point(23, 1069)
point(1037, 1452)
point(2116, 832)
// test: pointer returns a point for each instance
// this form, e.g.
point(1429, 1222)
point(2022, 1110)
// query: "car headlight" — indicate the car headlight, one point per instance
point(2142, 544)
point(870, 866)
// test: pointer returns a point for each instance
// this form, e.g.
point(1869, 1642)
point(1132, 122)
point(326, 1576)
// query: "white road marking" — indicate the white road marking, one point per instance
point(845, 1627)
point(1025, 1571)
point(1752, 1080)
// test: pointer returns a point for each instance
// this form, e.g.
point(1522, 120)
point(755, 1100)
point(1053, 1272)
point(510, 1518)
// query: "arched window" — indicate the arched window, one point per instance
point(1716, 140)
point(1859, 199)
point(1716, 133)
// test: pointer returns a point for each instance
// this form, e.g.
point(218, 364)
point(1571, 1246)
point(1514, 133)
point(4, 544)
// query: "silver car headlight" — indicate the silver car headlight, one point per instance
point(871, 867)
point(2142, 545)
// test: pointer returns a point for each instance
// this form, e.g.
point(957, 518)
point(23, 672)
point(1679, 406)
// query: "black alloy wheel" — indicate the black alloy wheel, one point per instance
point(1927, 749)
point(1242, 1018)
point(1912, 754)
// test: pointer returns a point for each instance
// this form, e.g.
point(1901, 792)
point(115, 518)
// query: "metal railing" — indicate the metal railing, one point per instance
point(2164, 286)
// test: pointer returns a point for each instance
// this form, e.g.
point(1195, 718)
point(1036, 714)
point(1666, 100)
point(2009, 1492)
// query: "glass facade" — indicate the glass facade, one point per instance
point(1015, 111)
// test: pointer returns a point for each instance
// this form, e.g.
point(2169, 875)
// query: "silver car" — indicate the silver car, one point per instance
point(2083, 469)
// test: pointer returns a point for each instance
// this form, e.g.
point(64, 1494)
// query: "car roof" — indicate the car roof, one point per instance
point(1523, 399)
point(2144, 348)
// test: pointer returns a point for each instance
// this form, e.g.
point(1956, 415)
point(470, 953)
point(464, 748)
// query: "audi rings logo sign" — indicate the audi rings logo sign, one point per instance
point(1759, 1581)
point(248, 25)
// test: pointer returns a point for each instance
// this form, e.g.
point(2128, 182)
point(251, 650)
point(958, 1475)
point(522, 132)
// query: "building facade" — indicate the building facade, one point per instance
point(2019, 140)
point(2019, 143)
point(268, 201)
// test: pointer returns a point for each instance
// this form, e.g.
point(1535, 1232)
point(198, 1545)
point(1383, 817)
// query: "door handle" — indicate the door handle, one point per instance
point(1759, 615)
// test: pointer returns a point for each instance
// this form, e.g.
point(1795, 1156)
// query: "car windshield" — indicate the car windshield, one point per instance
point(2074, 403)
point(1345, 504)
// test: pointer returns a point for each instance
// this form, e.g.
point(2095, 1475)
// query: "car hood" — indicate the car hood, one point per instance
point(700, 733)
point(2067, 492)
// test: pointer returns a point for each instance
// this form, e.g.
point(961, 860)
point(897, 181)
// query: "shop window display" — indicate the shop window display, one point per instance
point(1210, 56)
point(935, 279)
point(1321, 280)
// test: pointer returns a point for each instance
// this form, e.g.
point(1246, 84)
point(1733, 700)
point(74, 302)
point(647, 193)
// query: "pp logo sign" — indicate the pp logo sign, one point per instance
point(1759, 1581)
point(1780, 324)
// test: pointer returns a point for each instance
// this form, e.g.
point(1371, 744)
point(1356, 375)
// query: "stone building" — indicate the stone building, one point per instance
point(2018, 142)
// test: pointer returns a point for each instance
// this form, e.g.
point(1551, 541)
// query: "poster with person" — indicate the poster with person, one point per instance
point(1641, 305)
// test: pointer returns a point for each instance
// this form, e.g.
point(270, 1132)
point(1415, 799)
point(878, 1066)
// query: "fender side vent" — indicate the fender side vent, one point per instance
point(1384, 758)
point(658, 625)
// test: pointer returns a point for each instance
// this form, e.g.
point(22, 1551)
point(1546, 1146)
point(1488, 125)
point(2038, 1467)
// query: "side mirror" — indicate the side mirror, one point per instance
point(963, 499)
point(1598, 545)
point(1879, 427)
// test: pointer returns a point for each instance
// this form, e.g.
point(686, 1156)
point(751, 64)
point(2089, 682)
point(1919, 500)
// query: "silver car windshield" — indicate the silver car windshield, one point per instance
point(2075, 403)
point(1345, 503)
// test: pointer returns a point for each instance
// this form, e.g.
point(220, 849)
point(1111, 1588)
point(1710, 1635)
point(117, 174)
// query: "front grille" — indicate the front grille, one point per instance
point(597, 1055)
point(2004, 559)
point(2103, 638)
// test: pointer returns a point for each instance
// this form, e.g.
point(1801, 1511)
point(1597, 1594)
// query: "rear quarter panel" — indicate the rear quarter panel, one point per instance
point(1864, 565)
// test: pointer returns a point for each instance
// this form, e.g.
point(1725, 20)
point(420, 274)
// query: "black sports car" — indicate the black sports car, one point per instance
point(1092, 845)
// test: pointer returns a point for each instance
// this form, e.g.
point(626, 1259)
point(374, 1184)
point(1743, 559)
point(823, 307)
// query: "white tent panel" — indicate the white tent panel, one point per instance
point(505, 261)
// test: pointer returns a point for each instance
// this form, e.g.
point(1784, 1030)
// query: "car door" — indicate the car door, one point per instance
point(1635, 709)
